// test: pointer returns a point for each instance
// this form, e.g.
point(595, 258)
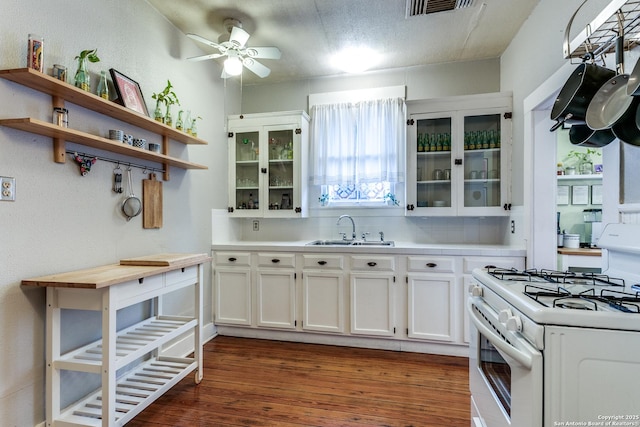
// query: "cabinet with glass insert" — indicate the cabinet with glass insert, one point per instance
point(457, 161)
point(268, 164)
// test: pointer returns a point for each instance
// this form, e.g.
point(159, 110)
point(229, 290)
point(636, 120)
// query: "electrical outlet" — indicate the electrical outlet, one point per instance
point(7, 189)
point(513, 227)
point(256, 225)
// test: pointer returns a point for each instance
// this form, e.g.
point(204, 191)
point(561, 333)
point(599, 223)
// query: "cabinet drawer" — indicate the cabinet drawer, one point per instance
point(134, 289)
point(277, 260)
point(187, 276)
point(373, 262)
point(432, 264)
point(481, 262)
point(329, 262)
point(232, 258)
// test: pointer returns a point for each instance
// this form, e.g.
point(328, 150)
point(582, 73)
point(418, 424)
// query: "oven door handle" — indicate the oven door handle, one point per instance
point(521, 357)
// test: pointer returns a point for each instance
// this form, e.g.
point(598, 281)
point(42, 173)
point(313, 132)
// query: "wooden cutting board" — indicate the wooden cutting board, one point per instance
point(165, 260)
point(151, 202)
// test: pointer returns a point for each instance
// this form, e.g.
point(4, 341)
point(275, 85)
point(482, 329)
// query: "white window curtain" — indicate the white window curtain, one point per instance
point(358, 143)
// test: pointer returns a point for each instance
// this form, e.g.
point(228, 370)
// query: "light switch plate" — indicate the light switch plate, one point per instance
point(7, 189)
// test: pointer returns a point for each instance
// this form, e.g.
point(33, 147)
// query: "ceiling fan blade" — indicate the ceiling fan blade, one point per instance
point(205, 57)
point(266, 52)
point(203, 40)
point(238, 37)
point(256, 68)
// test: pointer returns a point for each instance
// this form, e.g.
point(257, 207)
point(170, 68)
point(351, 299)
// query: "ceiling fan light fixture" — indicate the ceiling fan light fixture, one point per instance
point(233, 66)
point(355, 60)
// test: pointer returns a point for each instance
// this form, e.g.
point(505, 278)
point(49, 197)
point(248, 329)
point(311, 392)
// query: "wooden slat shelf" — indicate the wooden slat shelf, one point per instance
point(62, 92)
point(39, 127)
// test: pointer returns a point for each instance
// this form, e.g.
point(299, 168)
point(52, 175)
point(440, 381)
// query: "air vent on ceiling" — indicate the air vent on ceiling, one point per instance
point(425, 7)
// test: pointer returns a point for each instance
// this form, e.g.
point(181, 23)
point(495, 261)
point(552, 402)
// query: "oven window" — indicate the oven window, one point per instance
point(497, 372)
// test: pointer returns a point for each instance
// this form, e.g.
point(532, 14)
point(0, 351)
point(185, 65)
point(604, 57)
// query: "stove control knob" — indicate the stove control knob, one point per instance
point(505, 315)
point(475, 290)
point(514, 324)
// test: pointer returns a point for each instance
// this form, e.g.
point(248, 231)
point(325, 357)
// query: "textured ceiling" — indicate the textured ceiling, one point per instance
point(309, 32)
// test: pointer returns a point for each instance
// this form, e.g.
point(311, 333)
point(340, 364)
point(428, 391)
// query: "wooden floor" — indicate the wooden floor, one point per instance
point(250, 382)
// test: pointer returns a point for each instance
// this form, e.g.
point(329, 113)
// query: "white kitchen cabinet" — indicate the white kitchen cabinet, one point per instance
point(232, 288)
point(323, 287)
point(458, 156)
point(149, 373)
point(268, 157)
point(372, 302)
point(276, 290)
point(431, 298)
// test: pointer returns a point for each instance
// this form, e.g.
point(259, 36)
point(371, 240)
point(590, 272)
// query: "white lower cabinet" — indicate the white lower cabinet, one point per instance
point(372, 302)
point(349, 294)
point(323, 291)
point(431, 298)
point(232, 288)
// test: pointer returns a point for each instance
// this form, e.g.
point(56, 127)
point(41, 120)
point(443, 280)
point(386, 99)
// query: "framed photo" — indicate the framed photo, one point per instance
point(129, 92)
point(580, 195)
point(596, 194)
point(563, 195)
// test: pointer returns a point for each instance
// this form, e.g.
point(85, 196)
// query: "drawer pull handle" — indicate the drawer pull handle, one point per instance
point(275, 260)
point(322, 262)
point(432, 264)
point(372, 264)
point(489, 266)
point(232, 259)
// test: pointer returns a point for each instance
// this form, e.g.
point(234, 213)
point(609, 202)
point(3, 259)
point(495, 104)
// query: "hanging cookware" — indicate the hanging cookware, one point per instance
point(131, 206)
point(584, 136)
point(573, 100)
point(626, 129)
point(611, 102)
point(633, 85)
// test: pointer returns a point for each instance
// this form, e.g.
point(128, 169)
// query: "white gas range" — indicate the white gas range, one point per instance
point(557, 349)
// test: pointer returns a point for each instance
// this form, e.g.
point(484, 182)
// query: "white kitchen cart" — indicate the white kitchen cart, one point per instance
point(149, 374)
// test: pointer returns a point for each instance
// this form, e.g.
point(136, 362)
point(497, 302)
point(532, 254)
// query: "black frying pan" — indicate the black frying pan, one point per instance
point(584, 136)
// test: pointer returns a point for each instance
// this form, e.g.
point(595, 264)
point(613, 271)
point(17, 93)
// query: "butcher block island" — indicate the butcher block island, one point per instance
point(139, 348)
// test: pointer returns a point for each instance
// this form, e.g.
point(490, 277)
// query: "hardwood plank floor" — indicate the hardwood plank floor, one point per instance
point(249, 382)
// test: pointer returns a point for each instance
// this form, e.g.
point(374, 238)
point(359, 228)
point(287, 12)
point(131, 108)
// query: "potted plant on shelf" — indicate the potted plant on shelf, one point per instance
point(583, 160)
point(82, 78)
point(168, 97)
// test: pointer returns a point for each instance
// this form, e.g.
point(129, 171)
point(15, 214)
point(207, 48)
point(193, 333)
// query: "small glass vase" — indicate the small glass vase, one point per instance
point(179, 121)
point(82, 78)
point(586, 168)
point(157, 113)
point(168, 120)
point(103, 87)
point(194, 128)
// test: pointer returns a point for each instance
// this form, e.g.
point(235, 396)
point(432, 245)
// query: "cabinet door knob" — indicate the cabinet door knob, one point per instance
point(232, 259)
point(432, 264)
point(263, 170)
point(322, 262)
point(372, 264)
point(275, 260)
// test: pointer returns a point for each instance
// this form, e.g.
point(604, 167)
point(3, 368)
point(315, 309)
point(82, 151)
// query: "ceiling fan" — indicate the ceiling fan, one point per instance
point(233, 46)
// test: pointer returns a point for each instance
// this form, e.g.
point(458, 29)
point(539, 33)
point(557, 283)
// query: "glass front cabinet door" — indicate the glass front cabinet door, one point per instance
point(457, 159)
point(268, 165)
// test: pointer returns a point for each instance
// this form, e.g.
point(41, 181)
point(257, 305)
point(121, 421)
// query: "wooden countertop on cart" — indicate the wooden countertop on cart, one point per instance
point(580, 251)
point(112, 274)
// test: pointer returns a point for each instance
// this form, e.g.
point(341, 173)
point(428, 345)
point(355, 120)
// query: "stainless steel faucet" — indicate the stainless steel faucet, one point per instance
point(353, 226)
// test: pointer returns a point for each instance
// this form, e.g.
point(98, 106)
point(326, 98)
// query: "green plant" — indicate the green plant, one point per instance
point(392, 198)
point(580, 157)
point(90, 55)
point(167, 96)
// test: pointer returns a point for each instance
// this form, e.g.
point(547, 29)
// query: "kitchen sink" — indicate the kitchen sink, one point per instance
point(350, 243)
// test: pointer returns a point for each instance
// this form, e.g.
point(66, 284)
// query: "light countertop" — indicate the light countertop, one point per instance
point(400, 248)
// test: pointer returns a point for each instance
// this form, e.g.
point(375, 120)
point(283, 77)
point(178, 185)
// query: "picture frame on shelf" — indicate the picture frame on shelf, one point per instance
point(129, 92)
point(580, 195)
point(563, 195)
point(596, 194)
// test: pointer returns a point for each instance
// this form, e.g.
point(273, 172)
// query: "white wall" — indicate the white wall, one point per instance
point(433, 81)
point(61, 221)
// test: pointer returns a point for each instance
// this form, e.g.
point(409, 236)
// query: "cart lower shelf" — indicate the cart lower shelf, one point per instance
point(134, 391)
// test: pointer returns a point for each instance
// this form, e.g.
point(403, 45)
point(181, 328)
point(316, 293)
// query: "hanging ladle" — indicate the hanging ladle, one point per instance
point(131, 206)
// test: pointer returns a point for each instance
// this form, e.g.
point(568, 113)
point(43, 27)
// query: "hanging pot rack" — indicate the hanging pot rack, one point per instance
point(599, 36)
point(144, 168)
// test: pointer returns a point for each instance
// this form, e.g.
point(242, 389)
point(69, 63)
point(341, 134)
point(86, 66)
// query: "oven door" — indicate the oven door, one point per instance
point(505, 372)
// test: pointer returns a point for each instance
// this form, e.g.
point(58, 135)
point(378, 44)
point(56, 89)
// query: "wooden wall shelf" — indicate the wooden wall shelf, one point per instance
point(61, 91)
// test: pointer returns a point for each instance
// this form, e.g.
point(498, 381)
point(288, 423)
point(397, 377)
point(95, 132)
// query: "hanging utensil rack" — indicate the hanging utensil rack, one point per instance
point(123, 163)
point(599, 36)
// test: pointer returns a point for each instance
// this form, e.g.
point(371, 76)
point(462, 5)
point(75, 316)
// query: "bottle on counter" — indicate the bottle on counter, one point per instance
point(250, 201)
